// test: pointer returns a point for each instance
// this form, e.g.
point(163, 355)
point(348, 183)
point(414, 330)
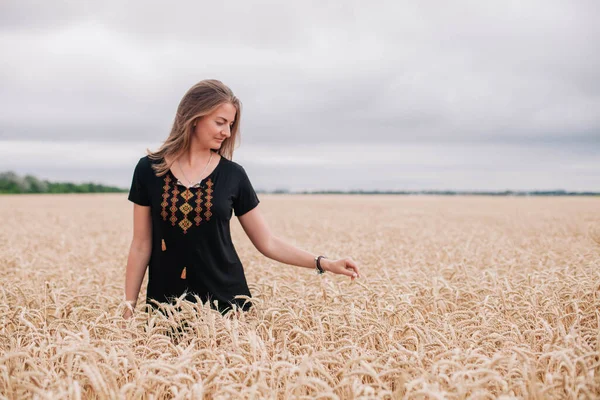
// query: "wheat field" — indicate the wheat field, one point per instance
point(460, 297)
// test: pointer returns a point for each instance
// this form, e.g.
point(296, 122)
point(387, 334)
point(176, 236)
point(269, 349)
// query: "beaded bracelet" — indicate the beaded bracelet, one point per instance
point(320, 269)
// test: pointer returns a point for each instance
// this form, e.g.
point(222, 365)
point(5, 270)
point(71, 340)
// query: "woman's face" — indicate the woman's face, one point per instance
point(212, 129)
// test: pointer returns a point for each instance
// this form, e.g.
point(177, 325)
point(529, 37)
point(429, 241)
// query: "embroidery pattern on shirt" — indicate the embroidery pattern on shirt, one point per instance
point(165, 196)
point(186, 208)
point(209, 197)
point(198, 208)
point(173, 208)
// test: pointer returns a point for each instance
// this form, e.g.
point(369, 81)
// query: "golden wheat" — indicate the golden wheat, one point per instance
point(460, 297)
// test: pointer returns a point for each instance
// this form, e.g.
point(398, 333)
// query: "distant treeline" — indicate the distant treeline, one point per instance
point(444, 192)
point(13, 183)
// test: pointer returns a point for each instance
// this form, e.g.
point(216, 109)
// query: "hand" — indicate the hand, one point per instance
point(344, 266)
point(128, 309)
point(127, 313)
point(127, 319)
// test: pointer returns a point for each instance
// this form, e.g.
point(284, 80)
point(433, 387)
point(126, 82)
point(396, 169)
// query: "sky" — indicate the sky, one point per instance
point(342, 95)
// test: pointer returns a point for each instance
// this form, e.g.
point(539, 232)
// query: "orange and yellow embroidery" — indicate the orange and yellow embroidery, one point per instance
point(185, 223)
point(209, 197)
point(165, 196)
point(174, 199)
point(186, 208)
point(198, 208)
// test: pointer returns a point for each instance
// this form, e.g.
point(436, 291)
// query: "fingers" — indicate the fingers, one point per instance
point(349, 268)
point(351, 265)
point(345, 266)
point(350, 273)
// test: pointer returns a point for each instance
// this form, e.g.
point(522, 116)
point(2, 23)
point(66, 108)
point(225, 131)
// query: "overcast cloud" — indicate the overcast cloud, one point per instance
point(461, 73)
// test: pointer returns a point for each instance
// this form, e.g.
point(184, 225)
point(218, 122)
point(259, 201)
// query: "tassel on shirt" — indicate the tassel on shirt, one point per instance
point(183, 274)
point(164, 246)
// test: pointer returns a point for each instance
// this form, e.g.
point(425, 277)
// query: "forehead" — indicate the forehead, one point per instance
point(225, 110)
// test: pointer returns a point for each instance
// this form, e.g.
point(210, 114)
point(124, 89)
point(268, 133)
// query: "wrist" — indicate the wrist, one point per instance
point(319, 260)
point(131, 303)
point(325, 263)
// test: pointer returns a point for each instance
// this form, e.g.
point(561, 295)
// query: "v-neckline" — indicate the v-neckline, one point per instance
point(198, 184)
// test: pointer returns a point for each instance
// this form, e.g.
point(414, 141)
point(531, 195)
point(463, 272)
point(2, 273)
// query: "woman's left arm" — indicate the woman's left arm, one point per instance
point(277, 249)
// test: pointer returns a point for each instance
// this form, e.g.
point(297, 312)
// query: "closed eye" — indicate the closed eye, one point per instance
point(223, 123)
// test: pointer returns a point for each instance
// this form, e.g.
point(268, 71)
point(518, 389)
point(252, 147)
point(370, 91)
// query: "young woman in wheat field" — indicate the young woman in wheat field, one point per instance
point(184, 195)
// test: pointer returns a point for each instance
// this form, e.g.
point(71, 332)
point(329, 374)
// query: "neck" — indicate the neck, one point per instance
point(196, 155)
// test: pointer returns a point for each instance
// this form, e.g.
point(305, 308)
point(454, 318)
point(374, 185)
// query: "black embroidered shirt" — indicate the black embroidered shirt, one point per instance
point(192, 250)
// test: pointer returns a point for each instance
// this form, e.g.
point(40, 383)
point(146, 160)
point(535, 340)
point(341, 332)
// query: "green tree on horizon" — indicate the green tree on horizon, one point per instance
point(11, 183)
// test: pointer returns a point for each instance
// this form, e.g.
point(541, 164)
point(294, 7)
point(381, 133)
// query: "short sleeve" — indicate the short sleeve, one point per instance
point(246, 198)
point(138, 193)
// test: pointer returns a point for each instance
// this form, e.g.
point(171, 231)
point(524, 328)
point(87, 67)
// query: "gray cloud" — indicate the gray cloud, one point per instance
point(307, 71)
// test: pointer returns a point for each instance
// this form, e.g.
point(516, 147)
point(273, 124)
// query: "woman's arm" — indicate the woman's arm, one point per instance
point(139, 254)
point(277, 249)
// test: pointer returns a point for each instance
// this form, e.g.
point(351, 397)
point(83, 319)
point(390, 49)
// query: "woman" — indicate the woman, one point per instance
point(184, 195)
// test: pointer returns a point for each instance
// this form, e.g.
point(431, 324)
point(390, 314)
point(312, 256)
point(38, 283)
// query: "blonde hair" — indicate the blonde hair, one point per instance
point(200, 100)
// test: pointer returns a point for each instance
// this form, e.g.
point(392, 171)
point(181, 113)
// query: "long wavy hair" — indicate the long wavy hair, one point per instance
point(200, 100)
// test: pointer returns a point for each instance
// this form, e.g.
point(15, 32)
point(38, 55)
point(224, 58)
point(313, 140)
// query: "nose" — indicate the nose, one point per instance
point(227, 131)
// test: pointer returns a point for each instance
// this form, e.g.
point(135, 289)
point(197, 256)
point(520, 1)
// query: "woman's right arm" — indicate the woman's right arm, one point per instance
point(139, 255)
